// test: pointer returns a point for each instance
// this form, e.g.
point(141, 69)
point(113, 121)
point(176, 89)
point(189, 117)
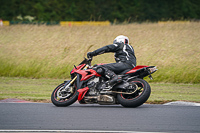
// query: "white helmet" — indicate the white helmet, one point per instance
point(121, 39)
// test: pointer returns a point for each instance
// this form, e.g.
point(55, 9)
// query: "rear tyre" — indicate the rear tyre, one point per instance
point(62, 98)
point(141, 92)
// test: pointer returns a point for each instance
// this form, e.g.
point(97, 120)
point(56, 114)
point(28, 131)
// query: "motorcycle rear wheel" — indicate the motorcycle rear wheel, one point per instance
point(65, 101)
point(139, 97)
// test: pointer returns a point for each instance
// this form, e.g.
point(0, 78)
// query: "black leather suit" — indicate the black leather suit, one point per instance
point(124, 56)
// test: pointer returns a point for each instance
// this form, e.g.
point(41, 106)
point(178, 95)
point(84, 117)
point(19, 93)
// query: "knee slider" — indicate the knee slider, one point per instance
point(100, 70)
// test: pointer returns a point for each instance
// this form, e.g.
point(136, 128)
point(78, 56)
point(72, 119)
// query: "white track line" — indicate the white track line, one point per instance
point(182, 103)
point(78, 131)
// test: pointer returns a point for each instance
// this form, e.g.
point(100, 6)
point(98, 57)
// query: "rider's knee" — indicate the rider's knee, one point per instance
point(100, 70)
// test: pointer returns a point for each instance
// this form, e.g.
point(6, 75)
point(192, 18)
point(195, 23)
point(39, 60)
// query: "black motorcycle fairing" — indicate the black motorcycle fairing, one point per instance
point(122, 85)
point(78, 82)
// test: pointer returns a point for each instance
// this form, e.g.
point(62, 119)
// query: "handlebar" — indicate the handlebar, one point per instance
point(89, 60)
point(86, 61)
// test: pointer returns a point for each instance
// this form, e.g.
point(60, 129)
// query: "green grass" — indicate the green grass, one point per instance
point(51, 51)
point(164, 92)
point(27, 89)
point(41, 89)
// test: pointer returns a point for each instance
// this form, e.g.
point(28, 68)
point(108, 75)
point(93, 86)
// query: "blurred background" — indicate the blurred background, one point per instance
point(47, 37)
point(115, 11)
point(41, 41)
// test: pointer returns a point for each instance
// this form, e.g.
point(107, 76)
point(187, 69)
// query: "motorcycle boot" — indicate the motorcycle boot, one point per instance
point(113, 78)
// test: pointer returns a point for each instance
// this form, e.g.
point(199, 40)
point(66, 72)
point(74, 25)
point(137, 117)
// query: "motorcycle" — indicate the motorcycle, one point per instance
point(89, 87)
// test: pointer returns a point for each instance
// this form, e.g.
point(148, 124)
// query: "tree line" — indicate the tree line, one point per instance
point(100, 10)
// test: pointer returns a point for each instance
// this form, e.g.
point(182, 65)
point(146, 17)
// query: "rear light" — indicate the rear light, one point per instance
point(153, 69)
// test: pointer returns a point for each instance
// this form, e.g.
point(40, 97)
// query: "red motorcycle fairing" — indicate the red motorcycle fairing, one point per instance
point(77, 68)
point(136, 69)
point(101, 64)
point(86, 74)
point(82, 93)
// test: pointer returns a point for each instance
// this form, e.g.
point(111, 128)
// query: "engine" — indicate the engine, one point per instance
point(92, 84)
point(94, 96)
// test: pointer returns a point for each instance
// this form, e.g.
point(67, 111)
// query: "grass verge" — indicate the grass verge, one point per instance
point(50, 51)
point(39, 90)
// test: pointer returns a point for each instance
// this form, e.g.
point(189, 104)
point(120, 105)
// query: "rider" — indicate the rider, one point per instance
point(124, 57)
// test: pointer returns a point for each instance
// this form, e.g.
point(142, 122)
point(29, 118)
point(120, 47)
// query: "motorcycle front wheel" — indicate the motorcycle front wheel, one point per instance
point(62, 98)
point(140, 93)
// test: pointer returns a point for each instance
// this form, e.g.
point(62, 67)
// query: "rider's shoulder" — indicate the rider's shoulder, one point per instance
point(117, 44)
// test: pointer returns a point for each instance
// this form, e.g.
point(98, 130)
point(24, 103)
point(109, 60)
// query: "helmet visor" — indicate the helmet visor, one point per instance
point(115, 41)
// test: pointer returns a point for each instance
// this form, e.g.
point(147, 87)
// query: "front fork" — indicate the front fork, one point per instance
point(67, 85)
point(72, 81)
point(82, 91)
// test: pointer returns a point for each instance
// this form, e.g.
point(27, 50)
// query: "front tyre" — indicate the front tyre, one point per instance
point(140, 93)
point(62, 98)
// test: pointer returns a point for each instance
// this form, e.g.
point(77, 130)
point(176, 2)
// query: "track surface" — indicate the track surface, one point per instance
point(146, 118)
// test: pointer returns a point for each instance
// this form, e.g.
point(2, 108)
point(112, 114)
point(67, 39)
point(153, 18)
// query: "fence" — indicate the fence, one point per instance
point(4, 23)
point(81, 23)
point(61, 23)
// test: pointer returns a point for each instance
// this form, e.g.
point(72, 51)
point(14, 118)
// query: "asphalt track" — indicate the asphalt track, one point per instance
point(45, 117)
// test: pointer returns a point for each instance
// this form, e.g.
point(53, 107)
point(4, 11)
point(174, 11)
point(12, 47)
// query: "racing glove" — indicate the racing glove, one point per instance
point(90, 54)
